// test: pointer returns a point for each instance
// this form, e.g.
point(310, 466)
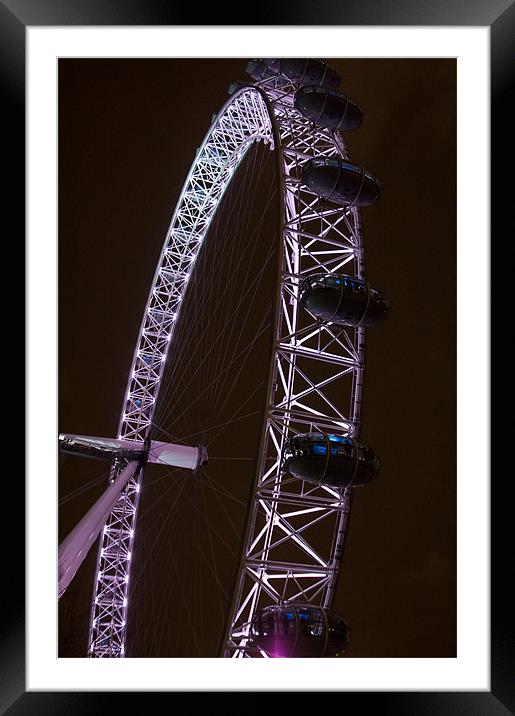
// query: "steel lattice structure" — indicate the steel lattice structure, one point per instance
point(310, 361)
point(315, 238)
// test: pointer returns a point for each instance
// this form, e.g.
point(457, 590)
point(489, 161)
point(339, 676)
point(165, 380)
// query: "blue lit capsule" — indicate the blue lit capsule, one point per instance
point(331, 460)
point(344, 300)
point(298, 630)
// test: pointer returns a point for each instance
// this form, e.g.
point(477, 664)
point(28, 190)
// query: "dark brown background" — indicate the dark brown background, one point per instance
point(128, 130)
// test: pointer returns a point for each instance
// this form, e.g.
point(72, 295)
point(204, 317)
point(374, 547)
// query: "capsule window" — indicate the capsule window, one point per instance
point(319, 450)
point(275, 623)
point(338, 628)
point(284, 624)
point(367, 455)
point(353, 168)
point(311, 621)
point(332, 281)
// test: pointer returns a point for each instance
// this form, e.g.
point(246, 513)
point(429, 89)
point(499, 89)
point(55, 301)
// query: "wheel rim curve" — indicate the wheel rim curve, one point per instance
point(270, 112)
point(261, 581)
point(245, 118)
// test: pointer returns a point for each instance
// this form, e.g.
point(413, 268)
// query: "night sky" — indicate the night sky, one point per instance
point(128, 132)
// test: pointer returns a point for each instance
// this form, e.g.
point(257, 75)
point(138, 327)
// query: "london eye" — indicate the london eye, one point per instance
point(310, 454)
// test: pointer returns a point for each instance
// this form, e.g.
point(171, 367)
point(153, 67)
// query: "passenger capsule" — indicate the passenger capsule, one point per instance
point(328, 108)
point(307, 71)
point(258, 70)
point(274, 64)
point(299, 630)
point(235, 86)
point(330, 460)
point(344, 300)
point(340, 182)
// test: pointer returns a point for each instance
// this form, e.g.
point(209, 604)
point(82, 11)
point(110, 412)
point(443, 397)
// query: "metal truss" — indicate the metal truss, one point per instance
point(243, 120)
point(295, 534)
point(294, 539)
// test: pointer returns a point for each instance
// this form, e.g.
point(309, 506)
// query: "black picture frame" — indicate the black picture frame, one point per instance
point(15, 17)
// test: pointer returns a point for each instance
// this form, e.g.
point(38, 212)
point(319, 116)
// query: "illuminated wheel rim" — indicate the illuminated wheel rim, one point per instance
point(314, 237)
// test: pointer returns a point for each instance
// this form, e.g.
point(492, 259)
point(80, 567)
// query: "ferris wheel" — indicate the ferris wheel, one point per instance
point(309, 457)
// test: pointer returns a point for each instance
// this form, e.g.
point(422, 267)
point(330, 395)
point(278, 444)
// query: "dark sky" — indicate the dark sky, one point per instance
point(128, 131)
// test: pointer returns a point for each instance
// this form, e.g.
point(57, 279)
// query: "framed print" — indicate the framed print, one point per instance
point(104, 94)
